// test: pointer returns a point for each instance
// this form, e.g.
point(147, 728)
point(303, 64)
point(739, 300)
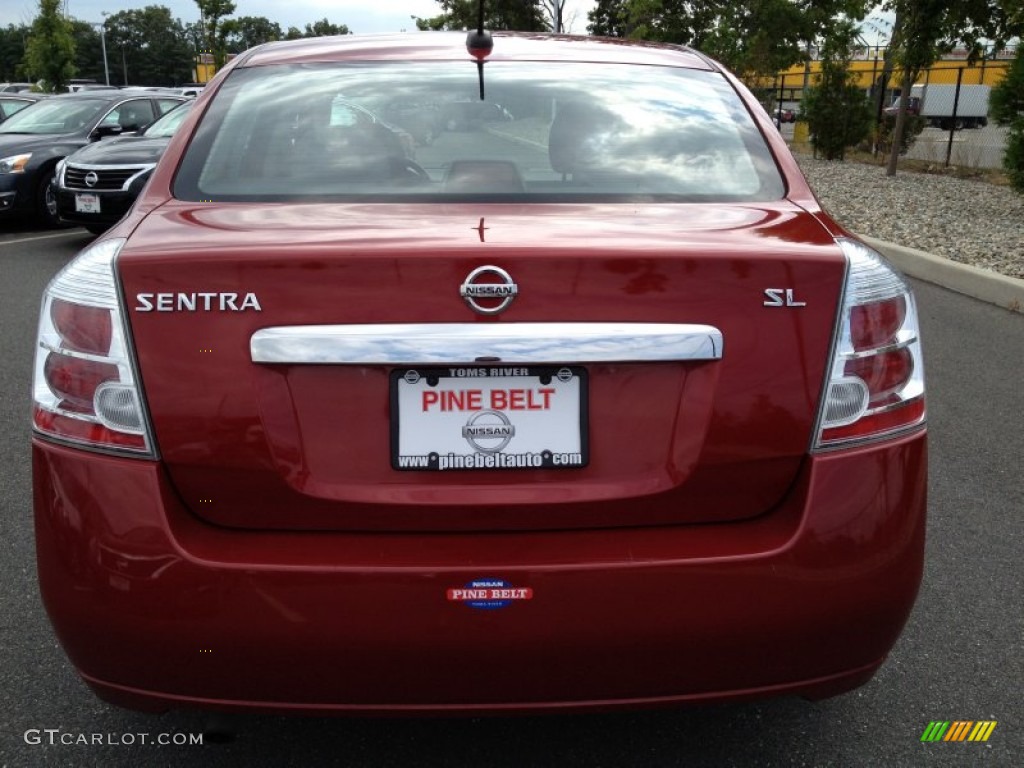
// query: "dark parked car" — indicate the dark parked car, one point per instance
point(38, 137)
point(99, 182)
point(598, 410)
point(15, 101)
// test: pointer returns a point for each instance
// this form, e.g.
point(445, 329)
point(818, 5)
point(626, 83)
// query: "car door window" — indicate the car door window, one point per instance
point(130, 115)
point(166, 105)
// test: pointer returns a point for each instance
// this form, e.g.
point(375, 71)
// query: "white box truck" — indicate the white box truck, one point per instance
point(935, 102)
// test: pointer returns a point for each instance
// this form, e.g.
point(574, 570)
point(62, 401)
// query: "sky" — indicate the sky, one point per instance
point(361, 16)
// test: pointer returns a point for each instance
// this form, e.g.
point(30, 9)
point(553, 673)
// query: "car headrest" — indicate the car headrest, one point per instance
point(484, 177)
point(578, 128)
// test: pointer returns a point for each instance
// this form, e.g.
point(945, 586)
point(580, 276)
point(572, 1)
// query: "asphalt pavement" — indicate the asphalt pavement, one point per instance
point(961, 656)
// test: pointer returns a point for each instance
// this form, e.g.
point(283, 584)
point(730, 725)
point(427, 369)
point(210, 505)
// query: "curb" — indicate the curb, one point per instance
point(982, 284)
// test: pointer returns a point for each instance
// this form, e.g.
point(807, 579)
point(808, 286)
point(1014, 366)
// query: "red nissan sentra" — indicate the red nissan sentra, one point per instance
point(582, 402)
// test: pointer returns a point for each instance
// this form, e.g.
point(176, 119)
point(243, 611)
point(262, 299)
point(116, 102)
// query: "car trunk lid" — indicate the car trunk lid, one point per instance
point(295, 442)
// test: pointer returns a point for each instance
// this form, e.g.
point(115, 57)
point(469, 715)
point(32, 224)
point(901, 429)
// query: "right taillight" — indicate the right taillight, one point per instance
point(875, 387)
point(85, 389)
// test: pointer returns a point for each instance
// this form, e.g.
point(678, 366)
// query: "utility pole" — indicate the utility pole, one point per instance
point(103, 42)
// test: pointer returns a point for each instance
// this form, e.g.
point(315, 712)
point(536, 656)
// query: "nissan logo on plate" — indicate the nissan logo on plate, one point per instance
point(91, 178)
point(495, 295)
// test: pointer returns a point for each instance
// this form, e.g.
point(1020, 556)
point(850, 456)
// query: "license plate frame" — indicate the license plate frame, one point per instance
point(87, 202)
point(520, 417)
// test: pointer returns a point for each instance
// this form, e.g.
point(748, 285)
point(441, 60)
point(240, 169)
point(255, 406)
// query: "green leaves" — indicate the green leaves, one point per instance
point(521, 15)
point(50, 50)
point(835, 108)
point(755, 39)
point(1008, 109)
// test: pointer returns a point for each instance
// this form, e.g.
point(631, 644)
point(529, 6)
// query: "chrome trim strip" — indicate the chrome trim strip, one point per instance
point(111, 166)
point(468, 343)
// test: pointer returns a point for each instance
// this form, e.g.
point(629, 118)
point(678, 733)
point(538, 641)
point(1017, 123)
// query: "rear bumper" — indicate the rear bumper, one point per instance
point(159, 610)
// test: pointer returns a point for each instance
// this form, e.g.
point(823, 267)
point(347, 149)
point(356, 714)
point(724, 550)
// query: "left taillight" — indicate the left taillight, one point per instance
point(85, 388)
point(875, 389)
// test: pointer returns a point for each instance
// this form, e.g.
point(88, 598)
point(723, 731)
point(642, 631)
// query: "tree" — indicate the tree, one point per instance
point(837, 114)
point(522, 15)
point(924, 29)
point(214, 36)
point(88, 50)
point(195, 36)
point(1008, 109)
point(12, 51)
point(824, 20)
point(554, 10)
point(249, 31)
point(148, 46)
point(755, 39)
point(324, 28)
point(50, 50)
point(609, 18)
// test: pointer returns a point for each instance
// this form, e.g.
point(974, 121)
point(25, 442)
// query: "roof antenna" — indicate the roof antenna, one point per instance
point(479, 44)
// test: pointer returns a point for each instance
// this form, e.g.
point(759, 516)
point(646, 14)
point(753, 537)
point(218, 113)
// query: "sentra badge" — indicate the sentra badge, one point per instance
point(486, 295)
point(196, 302)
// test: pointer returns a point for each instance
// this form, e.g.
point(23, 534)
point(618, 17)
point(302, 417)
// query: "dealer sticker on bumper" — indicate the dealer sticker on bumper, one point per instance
point(488, 417)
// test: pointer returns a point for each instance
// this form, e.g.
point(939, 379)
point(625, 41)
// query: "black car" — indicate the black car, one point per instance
point(15, 101)
point(38, 137)
point(97, 184)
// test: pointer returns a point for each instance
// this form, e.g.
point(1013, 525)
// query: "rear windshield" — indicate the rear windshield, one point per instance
point(552, 131)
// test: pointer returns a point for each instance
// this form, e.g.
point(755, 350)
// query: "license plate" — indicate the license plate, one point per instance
point(488, 417)
point(86, 203)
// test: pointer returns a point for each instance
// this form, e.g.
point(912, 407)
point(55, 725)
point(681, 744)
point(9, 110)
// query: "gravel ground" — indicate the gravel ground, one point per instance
point(973, 222)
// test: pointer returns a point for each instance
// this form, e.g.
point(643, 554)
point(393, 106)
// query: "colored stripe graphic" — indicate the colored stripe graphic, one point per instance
point(958, 730)
point(982, 730)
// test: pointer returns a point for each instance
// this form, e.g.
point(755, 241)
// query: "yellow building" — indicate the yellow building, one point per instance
point(790, 83)
point(205, 67)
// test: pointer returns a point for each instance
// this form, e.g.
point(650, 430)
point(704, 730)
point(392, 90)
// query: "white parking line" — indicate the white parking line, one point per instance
point(75, 233)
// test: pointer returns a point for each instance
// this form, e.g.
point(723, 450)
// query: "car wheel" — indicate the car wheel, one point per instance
point(46, 201)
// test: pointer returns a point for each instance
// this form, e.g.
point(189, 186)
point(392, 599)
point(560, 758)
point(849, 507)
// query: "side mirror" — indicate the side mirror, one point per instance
point(107, 130)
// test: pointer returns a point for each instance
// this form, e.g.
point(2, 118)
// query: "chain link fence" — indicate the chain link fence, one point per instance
point(952, 100)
